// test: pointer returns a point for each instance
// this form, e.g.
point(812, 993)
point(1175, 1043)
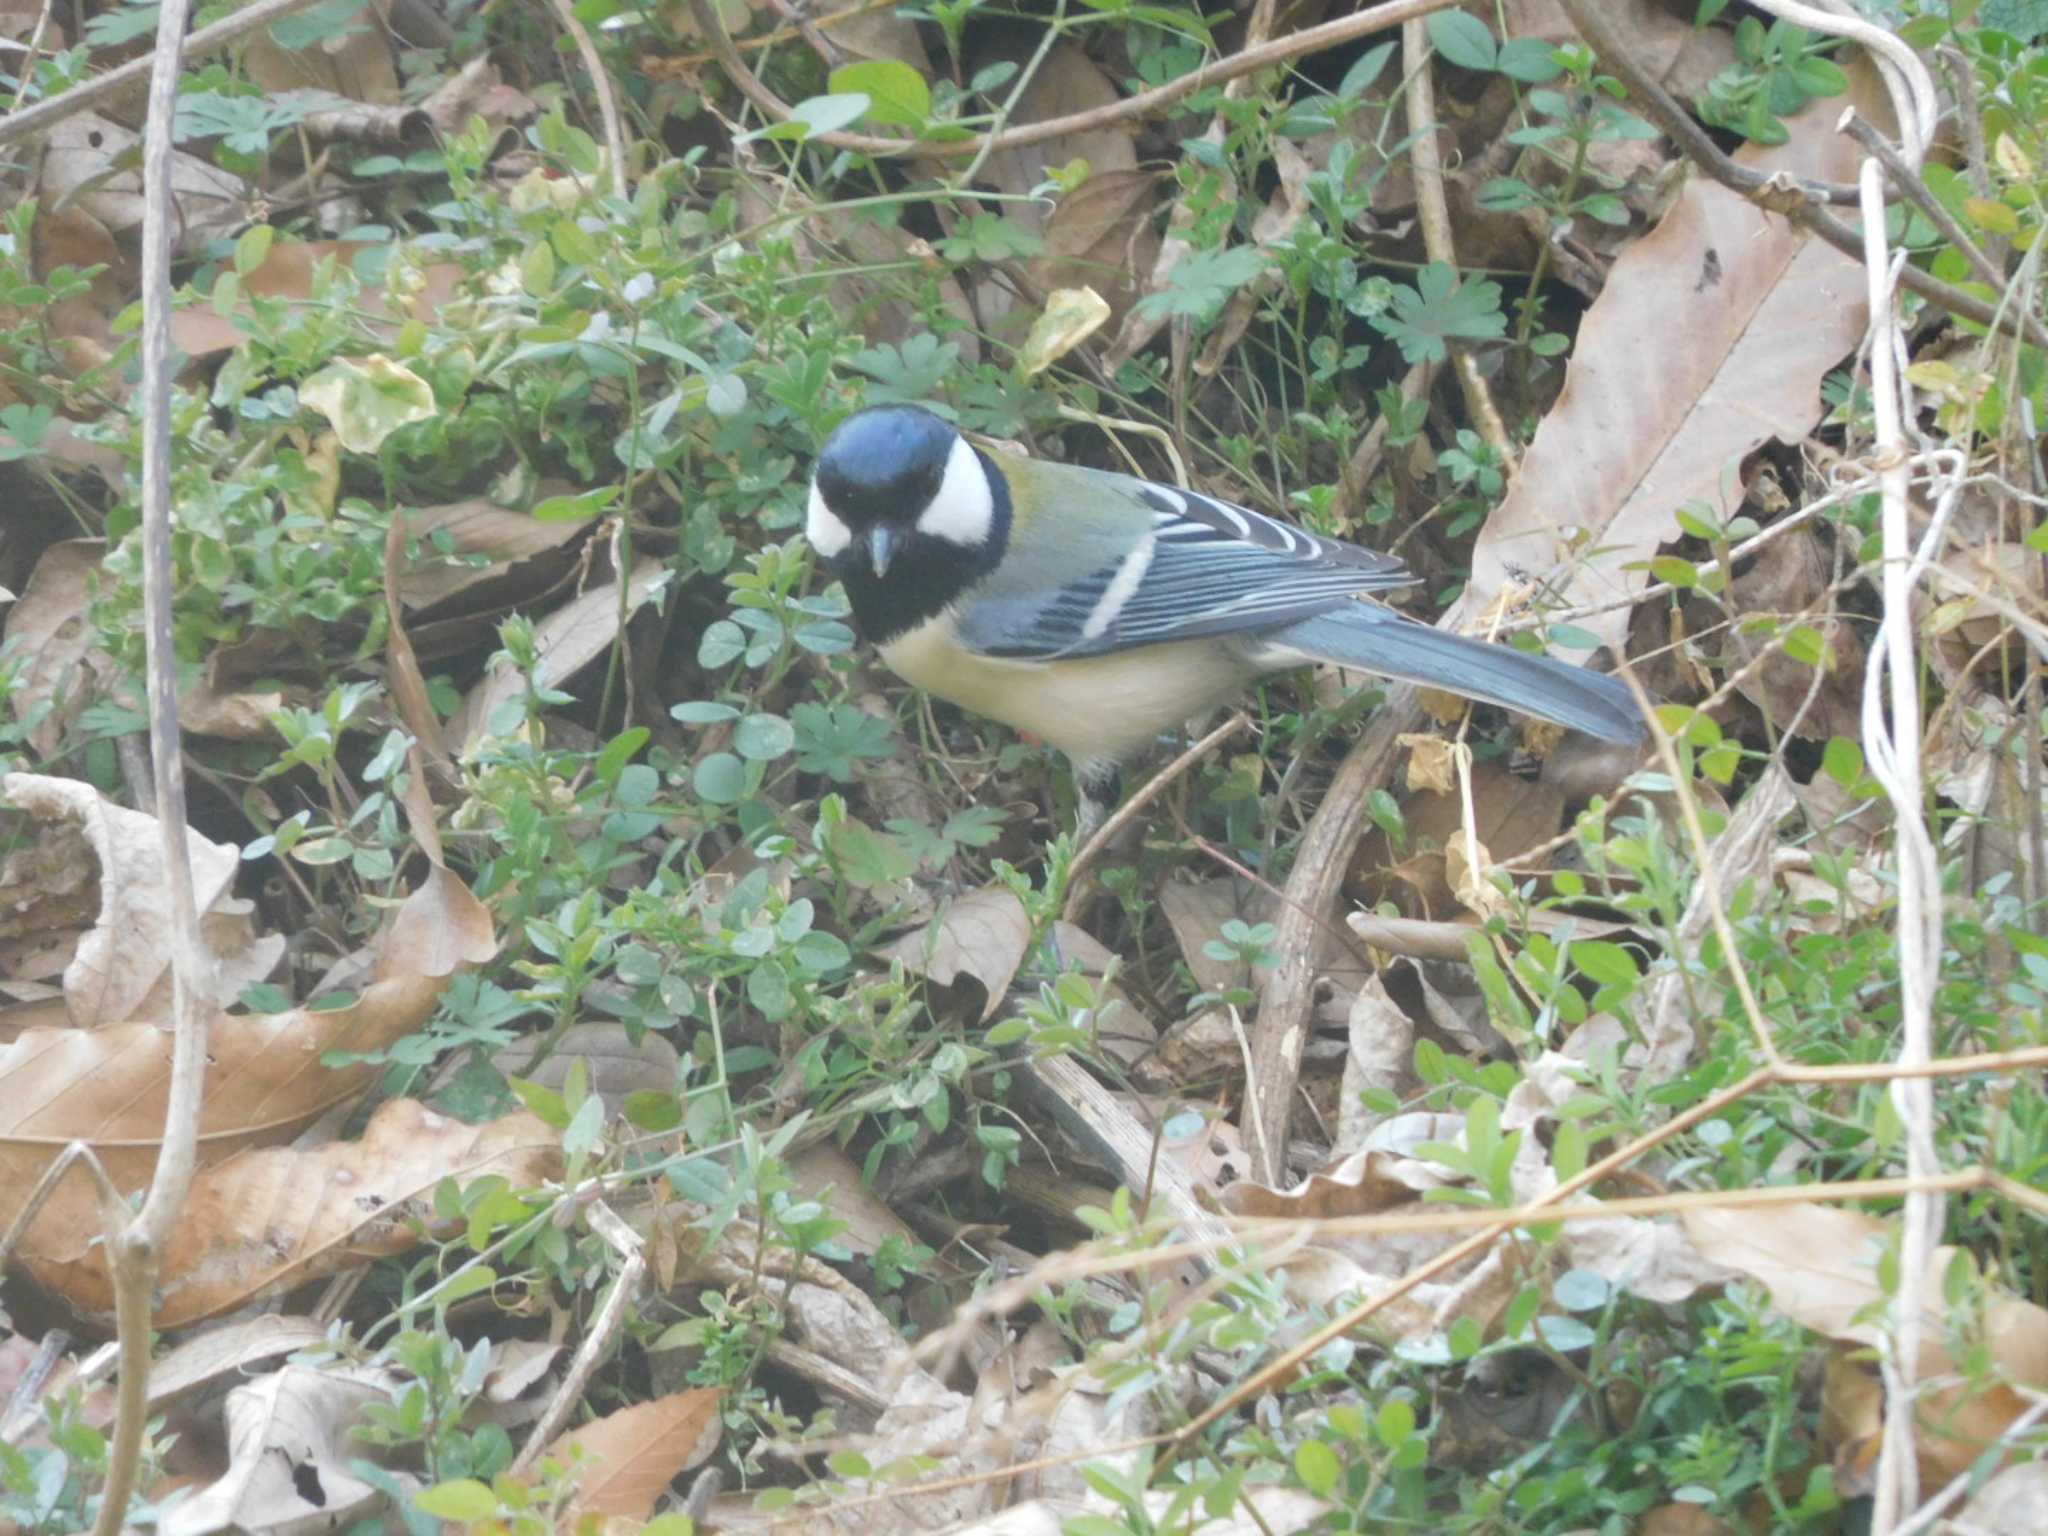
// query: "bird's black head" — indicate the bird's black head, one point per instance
point(907, 513)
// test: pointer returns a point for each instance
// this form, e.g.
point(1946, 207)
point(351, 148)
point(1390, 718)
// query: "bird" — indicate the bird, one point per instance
point(1098, 611)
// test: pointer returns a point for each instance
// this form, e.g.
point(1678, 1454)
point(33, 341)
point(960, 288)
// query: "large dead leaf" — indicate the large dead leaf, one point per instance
point(288, 1452)
point(96, 163)
point(356, 65)
point(1711, 338)
point(625, 1461)
point(265, 1078)
point(504, 538)
point(270, 1219)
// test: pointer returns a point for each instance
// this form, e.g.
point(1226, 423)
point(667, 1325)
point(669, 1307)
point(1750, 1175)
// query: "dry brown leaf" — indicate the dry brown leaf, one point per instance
point(265, 1079)
point(1101, 236)
point(1788, 579)
point(289, 1450)
point(48, 627)
point(984, 934)
point(218, 1355)
point(270, 1219)
point(290, 270)
point(1197, 911)
point(2014, 1503)
point(1067, 82)
point(1820, 1265)
point(506, 539)
point(616, 1066)
point(96, 163)
point(356, 66)
point(1380, 1055)
point(625, 1461)
point(1755, 311)
point(571, 637)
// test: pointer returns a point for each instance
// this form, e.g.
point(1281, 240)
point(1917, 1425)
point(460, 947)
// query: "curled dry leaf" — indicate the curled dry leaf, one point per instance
point(289, 1451)
point(121, 970)
point(984, 935)
point(63, 668)
point(622, 1463)
point(1070, 316)
point(1380, 1055)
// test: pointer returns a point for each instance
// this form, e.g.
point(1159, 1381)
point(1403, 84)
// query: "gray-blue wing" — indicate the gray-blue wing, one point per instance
point(1205, 568)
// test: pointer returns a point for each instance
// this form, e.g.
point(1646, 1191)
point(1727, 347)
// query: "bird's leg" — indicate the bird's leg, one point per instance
point(1098, 785)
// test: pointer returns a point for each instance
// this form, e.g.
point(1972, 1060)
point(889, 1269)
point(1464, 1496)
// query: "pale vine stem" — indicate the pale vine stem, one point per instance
point(135, 1245)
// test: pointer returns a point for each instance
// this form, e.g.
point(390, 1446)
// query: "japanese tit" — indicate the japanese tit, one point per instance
point(1098, 611)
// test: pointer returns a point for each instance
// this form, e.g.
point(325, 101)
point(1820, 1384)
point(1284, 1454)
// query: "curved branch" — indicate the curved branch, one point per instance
point(1376, 18)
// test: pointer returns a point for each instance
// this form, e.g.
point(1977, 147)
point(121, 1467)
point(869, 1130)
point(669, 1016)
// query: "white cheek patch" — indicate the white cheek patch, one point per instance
point(964, 509)
point(822, 526)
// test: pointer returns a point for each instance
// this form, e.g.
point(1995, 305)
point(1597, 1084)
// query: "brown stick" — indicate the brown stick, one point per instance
point(1279, 51)
point(90, 93)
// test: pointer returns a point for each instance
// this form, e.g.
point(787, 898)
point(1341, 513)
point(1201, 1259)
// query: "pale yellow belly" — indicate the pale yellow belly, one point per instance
point(1096, 706)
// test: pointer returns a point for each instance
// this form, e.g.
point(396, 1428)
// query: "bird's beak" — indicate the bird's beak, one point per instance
point(883, 542)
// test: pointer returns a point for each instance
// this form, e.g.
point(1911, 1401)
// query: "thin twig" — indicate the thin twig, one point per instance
point(1279, 51)
point(134, 1249)
point(600, 82)
point(1150, 790)
point(1432, 210)
point(1910, 182)
point(90, 93)
point(1786, 195)
point(602, 1332)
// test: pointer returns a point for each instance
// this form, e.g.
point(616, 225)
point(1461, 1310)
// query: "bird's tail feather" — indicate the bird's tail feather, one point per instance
point(1379, 640)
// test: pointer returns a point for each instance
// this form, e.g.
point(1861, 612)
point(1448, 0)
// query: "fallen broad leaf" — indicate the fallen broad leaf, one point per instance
point(625, 1461)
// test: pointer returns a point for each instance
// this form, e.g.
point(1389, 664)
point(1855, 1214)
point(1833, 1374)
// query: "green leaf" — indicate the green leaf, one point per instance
point(1359, 78)
point(1462, 39)
point(576, 509)
point(366, 399)
point(1527, 59)
point(763, 738)
point(463, 1498)
point(721, 778)
point(542, 1100)
point(896, 93)
point(1440, 309)
point(1608, 964)
point(816, 115)
point(1199, 287)
point(866, 857)
point(1317, 1467)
